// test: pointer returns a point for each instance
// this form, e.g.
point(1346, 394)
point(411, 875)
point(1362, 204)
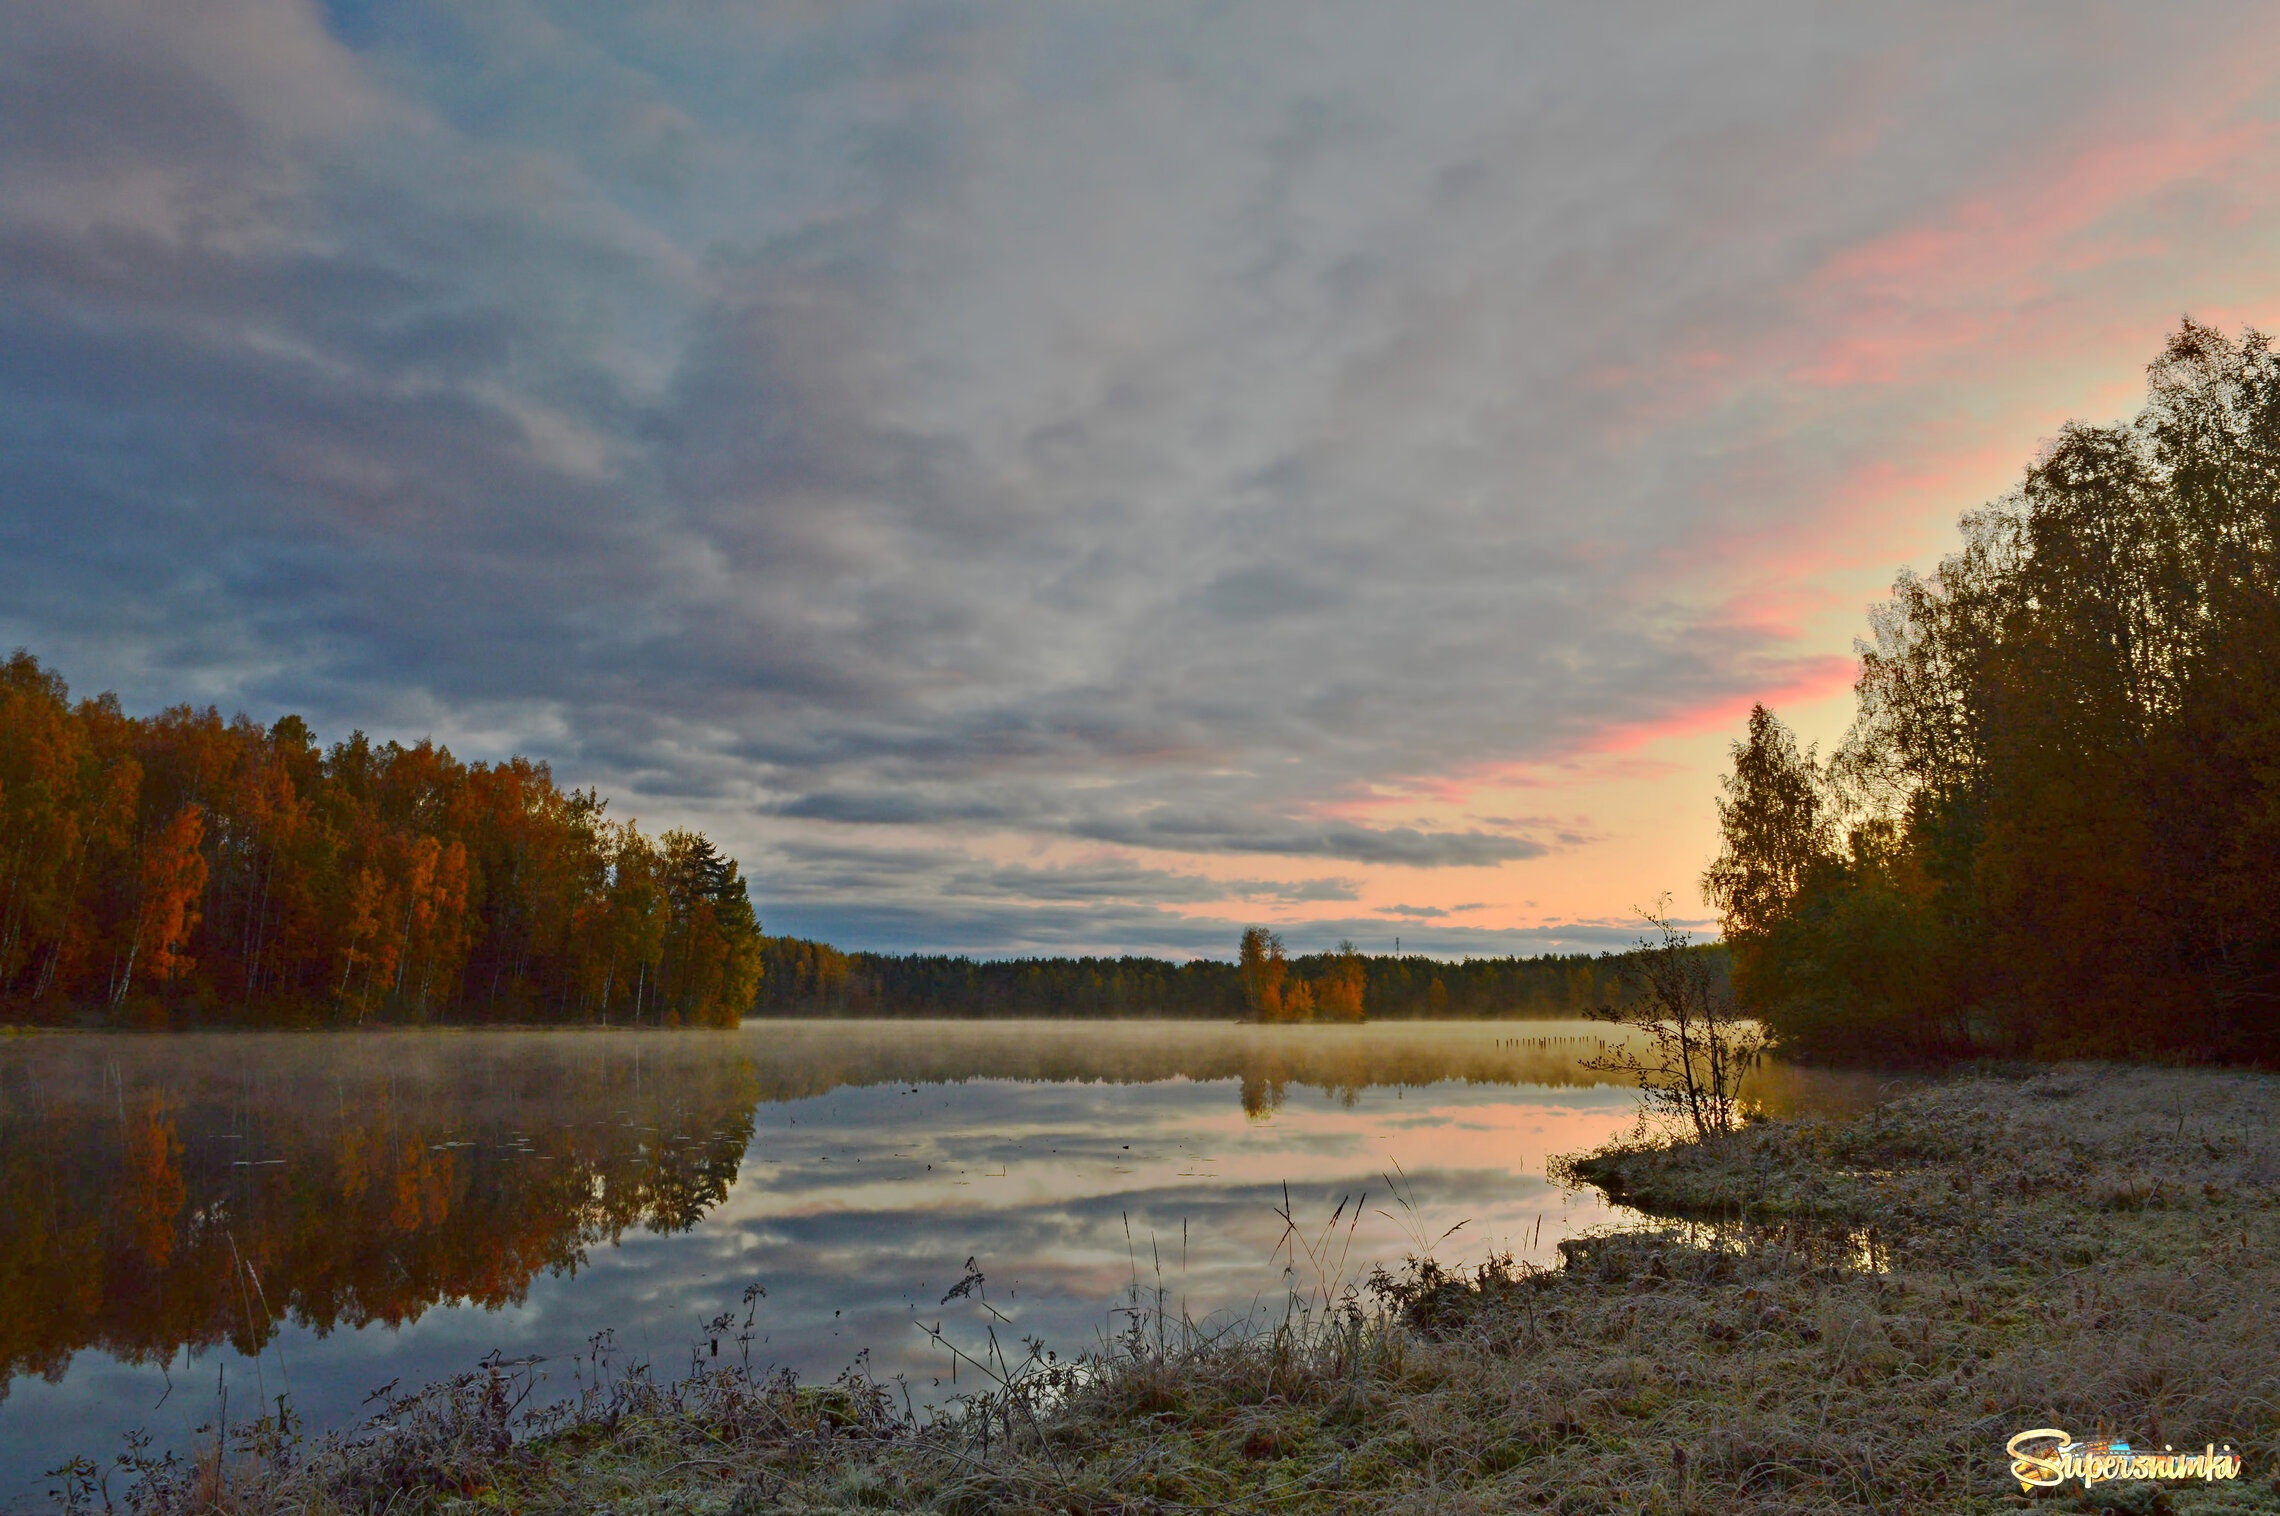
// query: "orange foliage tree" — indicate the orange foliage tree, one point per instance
point(180, 868)
point(1339, 992)
point(1338, 985)
point(1263, 969)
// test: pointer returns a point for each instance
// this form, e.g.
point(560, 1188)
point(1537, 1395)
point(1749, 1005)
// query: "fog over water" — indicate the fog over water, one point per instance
point(317, 1215)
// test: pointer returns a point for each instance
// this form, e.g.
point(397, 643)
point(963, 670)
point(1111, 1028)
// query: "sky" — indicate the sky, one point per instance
point(1046, 478)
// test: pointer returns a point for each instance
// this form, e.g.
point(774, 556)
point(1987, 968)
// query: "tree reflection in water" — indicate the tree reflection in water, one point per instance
point(163, 1193)
point(190, 1190)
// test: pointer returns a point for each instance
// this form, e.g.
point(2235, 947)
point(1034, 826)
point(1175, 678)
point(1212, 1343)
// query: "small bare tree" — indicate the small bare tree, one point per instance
point(1698, 1045)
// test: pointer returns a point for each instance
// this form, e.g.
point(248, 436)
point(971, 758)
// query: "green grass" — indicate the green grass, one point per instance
point(1851, 1316)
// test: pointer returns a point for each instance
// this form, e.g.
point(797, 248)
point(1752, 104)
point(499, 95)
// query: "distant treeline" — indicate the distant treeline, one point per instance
point(179, 869)
point(2054, 828)
point(813, 979)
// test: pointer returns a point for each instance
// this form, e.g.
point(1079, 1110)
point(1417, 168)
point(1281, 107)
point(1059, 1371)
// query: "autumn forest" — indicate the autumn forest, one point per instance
point(179, 869)
point(2054, 827)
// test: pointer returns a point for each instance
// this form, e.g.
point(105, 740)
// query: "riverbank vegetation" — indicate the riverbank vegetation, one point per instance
point(1691, 1048)
point(179, 869)
point(1855, 1315)
point(2052, 828)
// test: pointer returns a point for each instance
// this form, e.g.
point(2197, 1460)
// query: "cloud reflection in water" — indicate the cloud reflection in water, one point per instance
point(408, 1202)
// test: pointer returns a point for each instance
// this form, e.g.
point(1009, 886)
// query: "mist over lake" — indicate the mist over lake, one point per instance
point(316, 1215)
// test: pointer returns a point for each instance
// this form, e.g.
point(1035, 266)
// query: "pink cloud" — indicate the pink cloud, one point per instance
point(1949, 287)
point(1801, 681)
point(1810, 680)
point(1865, 516)
point(2031, 271)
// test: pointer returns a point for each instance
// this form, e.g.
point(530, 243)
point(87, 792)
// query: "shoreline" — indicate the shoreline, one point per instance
point(1860, 1315)
point(27, 1028)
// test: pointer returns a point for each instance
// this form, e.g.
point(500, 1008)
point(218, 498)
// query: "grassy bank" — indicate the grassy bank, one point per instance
point(1857, 1318)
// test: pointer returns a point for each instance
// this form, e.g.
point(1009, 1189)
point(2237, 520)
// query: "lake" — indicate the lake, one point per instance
point(249, 1215)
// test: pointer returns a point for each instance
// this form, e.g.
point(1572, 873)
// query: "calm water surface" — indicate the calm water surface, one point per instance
point(316, 1215)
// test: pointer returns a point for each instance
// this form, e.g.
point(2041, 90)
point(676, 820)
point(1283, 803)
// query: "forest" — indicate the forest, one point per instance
point(180, 870)
point(2053, 828)
point(813, 979)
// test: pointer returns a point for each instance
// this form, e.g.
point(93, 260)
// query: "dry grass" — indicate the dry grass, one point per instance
point(1859, 1316)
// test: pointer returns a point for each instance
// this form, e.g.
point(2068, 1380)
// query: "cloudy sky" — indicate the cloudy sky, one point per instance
point(1038, 478)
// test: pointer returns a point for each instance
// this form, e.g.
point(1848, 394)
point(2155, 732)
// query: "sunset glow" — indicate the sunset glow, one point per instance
point(1040, 481)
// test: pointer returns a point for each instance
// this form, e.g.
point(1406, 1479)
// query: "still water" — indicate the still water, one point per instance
point(316, 1215)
